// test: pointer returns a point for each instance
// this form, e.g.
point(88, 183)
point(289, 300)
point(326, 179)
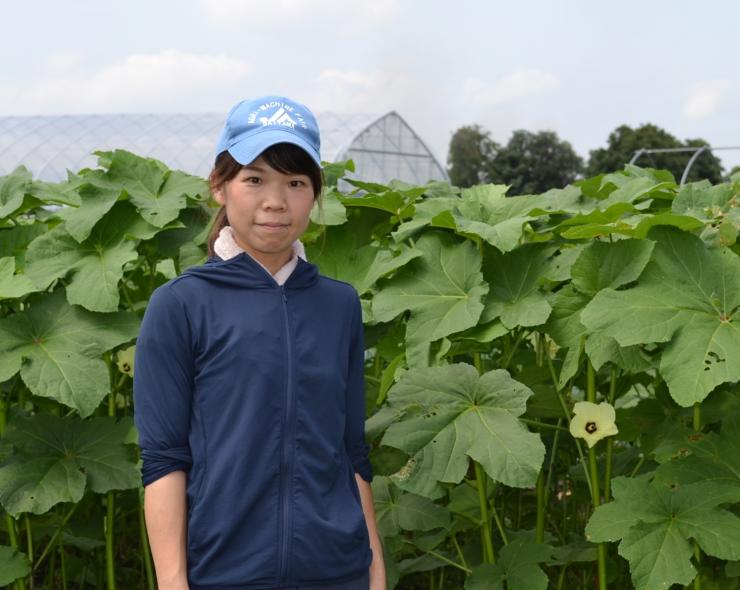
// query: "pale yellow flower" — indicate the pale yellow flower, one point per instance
point(593, 422)
point(125, 360)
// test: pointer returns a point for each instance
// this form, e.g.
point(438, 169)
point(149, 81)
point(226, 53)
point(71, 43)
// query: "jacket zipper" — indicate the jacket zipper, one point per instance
point(286, 463)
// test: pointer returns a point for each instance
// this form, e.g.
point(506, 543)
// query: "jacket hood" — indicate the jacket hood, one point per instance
point(243, 271)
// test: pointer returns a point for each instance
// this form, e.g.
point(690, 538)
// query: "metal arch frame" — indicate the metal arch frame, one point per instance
point(698, 150)
point(348, 145)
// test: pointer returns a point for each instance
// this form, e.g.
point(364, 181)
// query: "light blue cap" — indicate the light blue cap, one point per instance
point(253, 125)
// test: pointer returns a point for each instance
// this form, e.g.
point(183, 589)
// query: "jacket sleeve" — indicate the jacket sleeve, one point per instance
point(354, 433)
point(163, 386)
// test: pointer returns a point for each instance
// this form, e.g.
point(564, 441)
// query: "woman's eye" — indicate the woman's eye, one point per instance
point(297, 183)
point(253, 179)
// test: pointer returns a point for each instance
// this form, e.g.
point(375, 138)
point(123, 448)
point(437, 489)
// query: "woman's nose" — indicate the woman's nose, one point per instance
point(275, 199)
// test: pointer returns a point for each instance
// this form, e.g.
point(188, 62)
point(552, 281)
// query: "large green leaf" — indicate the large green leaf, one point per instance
point(395, 199)
point(603, 265)
point(687, 296)
point(97, 263)
point(452, 415)
point(486, 212)
point(57, 349)
point(13, 189)
point(514, 278)
point(13, 285)
point(424, 212)
point(95, 203)
point(655, 523)
point(443, 289)
point(158, 193)
point(56, 458)
point(708, 458)
point(332, 211)
point(398, 511)
point(13, 565)
point(565, 328)
point(704, 201)
point(517, 565)
point(342, 257)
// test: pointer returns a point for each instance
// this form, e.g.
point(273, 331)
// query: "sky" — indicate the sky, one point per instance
point(575, 67)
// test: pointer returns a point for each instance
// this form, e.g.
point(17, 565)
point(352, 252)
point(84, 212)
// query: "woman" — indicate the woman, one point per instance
point(249, 386)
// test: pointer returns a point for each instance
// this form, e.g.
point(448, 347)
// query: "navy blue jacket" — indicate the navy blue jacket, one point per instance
point(256, 390)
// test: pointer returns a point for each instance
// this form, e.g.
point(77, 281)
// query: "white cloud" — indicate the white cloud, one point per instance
point(138, 82)
point(705, 99)
point(374, 91)
point(248, 14)
point(517, 85)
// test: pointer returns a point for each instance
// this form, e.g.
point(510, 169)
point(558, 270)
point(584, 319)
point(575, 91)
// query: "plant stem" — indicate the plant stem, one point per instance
point(110, 565)
point(637, 467)
point(441, 557)
point(566, 413)
point(459, 550)
point(697, 417)
point(480, 477)
point(540, 527)
point(697, 549)
point(543, 424)
point(29, 540)
point(610, 441)
point(512, 349)
point(595, 495)
point(497, 520)
point(553, 454)
point(561, 577)
point(20, 583)
point(477, 362)
point(56, 534)
point(62, 565)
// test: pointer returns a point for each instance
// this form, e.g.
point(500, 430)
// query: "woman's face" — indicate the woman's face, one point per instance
point(267, 211)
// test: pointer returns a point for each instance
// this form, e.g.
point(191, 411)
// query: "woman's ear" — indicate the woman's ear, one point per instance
point(218, 195)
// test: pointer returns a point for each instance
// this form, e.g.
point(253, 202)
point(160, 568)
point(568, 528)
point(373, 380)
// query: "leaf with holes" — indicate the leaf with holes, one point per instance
point(452, 415)
point(688, 296)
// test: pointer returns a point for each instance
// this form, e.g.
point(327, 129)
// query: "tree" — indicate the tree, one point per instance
point(471, 151)
point(534, 163)
point(624, 141)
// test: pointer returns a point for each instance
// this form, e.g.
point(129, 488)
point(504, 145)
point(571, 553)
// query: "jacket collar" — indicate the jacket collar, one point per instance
point(244, 271)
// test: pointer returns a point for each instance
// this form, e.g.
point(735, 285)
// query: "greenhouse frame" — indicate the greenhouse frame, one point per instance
point(383, 147)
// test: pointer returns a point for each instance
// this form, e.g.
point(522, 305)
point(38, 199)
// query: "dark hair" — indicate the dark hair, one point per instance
point(287, 158)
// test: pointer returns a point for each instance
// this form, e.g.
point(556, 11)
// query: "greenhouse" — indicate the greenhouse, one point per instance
point(383, 147)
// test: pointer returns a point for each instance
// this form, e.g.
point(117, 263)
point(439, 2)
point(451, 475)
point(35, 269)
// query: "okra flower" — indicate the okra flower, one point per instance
point(593, 422)
point(125, 360)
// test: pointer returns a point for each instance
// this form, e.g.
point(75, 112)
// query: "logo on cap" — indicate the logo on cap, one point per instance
point(281, 115)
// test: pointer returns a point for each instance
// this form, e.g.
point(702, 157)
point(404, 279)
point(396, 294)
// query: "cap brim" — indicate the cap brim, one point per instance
point(248, 150)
